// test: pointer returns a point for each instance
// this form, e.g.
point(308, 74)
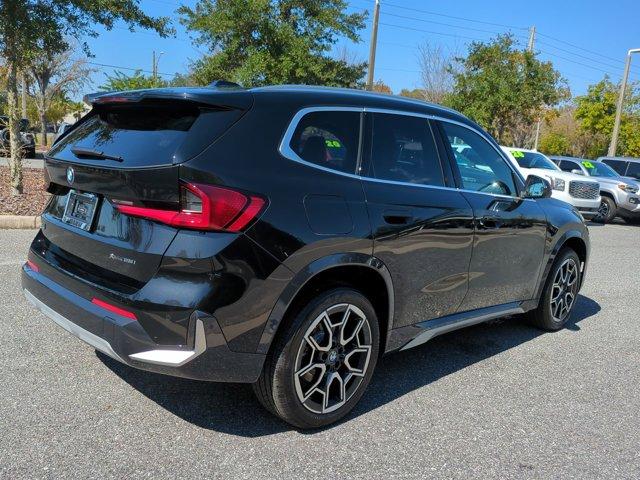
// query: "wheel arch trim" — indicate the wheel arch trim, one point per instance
point(311, 271)
point(557, 246)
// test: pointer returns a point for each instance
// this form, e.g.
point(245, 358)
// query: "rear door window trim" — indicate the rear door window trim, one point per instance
point(287, 152)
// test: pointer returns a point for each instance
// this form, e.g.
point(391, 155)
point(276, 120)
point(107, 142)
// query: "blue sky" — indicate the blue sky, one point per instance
point(584, 39)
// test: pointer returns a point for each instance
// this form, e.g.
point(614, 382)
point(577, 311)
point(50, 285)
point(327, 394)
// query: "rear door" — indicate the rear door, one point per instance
point(510, 235)
point(422, 227)
point(124, 152)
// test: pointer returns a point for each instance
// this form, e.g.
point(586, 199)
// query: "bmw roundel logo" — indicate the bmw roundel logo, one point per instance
point(70, 175)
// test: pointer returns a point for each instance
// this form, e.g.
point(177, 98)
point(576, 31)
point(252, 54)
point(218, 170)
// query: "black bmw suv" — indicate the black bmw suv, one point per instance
point(289, 236)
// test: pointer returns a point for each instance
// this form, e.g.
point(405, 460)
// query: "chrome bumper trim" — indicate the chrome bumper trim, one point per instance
point(174, 358)
point(95, 341)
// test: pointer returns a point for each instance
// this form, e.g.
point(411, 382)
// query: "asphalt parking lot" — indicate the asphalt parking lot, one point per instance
point(500, 400)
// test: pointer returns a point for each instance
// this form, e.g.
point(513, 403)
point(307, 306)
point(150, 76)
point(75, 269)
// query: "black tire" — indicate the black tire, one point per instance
point(278, 389)
point(607, 211)
point(543, 316)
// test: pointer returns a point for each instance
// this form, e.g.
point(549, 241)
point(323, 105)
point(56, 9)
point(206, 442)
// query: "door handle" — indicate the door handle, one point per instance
point(489, 223)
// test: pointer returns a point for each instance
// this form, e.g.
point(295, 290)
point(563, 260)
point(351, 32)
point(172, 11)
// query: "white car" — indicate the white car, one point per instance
point(582, 193)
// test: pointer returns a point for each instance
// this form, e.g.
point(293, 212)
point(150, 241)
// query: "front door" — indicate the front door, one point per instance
point(422, 226)
point(510, 232)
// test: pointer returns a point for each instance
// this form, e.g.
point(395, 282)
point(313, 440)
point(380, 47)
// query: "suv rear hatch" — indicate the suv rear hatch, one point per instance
point(126, 153)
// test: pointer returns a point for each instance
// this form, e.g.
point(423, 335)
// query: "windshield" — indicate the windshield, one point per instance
point(597, 169)
point(533, 160)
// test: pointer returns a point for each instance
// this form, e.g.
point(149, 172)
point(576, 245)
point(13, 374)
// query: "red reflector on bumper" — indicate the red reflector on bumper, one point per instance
point(114, 309)
point(33, 266)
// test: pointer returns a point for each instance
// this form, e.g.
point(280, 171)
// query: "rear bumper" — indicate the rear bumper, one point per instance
point(207, 357)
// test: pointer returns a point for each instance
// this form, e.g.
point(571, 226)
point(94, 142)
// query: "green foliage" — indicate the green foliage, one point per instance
point(505, 89)
point(264, 42)
point(121, 81)
point(554, 143)
point(596, 112)
point(416, 93)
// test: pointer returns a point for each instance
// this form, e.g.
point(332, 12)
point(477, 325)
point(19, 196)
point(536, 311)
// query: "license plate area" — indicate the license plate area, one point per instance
point(80, 210)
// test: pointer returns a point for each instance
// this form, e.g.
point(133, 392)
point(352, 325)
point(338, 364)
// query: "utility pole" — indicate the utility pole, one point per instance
point(372, 46)
point(24, 95)
point(530, 47)
point(616, 125)
point(532, 38)
point(153, 65)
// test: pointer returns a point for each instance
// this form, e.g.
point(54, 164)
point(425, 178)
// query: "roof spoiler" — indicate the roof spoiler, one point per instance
point(218, 94)
point(224, 84)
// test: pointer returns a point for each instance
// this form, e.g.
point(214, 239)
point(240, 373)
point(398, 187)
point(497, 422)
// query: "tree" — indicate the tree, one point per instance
point(596, 112)
point(416, 93)
point(273, 41)
point(504, 89)
point(121, 81)
point(381, 87)
point(436, 73)
point(54, 75)
point(28, 27)
point(554, 143)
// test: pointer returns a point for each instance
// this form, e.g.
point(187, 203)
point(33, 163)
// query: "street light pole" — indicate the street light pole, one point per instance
point(623, 87)
point(372, 46)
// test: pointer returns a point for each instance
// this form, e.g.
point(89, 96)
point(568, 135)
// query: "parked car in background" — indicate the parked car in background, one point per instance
point(625, 166)
point(288, 236)
point(583, 194)
point(619, 194)
point(27, 140)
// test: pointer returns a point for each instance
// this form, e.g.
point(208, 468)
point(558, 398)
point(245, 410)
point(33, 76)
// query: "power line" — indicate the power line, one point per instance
point(430, 32)
point(577, 54)
point(128, 68)
point(428, 12)
point(443, 24)
point(617, 60)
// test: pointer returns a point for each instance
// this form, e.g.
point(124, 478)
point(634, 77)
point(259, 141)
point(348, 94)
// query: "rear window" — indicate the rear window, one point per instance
point(145, 135)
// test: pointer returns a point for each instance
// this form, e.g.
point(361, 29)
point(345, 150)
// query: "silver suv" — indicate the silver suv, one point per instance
point(619, 194)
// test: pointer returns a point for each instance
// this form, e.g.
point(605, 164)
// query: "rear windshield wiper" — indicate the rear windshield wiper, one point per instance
point(88, 153)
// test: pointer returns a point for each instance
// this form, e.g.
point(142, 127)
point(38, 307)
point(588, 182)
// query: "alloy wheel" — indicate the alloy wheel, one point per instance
point(603, 210)
point(332, 359)
point(564, 290)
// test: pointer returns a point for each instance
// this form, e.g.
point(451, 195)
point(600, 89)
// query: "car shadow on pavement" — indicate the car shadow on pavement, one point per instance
point(232, 408)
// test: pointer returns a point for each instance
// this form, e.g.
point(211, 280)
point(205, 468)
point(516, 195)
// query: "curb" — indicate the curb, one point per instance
point(19, 221)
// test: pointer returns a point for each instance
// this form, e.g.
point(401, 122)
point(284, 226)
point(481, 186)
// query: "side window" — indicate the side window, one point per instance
point(618, 165)
point(403, 150)
point(568, 165)
point(329, 139)
point(481, 167)
point(633, 170)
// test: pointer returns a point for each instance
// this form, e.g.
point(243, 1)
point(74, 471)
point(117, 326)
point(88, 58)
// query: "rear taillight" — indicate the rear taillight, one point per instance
point(203, 207)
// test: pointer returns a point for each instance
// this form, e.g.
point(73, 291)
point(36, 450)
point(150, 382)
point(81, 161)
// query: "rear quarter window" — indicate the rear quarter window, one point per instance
point(329, 139)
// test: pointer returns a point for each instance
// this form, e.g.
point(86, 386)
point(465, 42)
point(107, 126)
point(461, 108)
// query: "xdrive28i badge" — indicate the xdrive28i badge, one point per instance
point(71, 175)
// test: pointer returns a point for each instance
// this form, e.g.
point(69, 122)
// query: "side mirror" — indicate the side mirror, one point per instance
point(577, 171)
point(536, 187)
